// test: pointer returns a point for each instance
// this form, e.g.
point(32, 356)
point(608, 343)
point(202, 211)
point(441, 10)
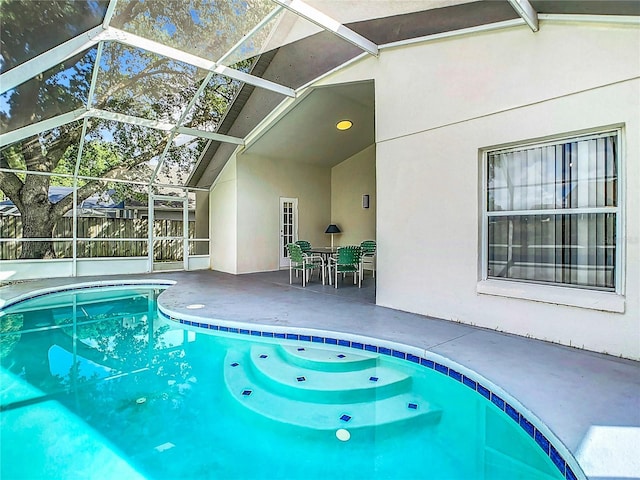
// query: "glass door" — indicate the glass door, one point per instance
point(288, 227)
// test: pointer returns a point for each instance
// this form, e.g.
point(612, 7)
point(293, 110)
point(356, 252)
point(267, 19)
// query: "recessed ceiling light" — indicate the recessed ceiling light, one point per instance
point(344, 124)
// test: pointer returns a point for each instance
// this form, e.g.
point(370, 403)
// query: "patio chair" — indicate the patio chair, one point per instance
point(305, 263)
point(369, 256)
point(305, 246)
point(347, 260)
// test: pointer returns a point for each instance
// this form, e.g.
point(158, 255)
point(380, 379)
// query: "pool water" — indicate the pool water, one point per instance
point(121, 393)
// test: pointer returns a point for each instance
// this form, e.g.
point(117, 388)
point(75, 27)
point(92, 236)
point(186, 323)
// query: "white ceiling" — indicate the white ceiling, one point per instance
point(307, 132)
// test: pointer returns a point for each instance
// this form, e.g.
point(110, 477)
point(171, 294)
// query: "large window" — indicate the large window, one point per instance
point(552, 212)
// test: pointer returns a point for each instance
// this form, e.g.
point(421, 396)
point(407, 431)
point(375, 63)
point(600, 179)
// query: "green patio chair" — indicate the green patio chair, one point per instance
point(368, 256)
point(300, 262)
point(305, 246)
point(347, 260)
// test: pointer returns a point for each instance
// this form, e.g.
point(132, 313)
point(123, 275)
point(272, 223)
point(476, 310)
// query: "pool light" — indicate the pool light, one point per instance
point(344, 124)
point(343, 434)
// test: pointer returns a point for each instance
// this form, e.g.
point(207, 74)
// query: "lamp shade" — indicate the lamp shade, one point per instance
point(332, 229)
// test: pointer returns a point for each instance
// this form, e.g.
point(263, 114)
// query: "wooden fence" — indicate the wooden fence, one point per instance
point(102, 232)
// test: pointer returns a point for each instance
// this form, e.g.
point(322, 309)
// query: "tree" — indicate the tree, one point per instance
point(129, 81)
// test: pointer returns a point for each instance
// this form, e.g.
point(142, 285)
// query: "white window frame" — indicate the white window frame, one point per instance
point(562, 294)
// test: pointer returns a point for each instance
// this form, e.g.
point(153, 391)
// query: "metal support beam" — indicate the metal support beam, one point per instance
point(131, 120)
point(170, 52)
point(43, 126)
point(526, 11)
point(53, 57)
point(108, 15)
point(250, 34)
point(49, 59)
point(326, 22)
point(211, 135)
point(164, 126)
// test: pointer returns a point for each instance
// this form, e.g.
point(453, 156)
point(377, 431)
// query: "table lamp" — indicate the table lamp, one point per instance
point(332, 229)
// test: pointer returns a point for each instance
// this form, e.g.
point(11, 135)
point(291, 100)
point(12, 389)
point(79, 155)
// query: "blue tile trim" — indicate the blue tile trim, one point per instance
point(484, 391)
point(442, 369)
point(542, 441)
point(557, 459)
point(427, 363)
point(527, 426)
point(498, 402)
point(513, 413)
point(469, 383)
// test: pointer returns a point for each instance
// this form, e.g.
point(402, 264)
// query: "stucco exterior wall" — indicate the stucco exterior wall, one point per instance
point(261, 184)
point(351, 179)
point(224, 220)
point(491, 89)
point(438, 105)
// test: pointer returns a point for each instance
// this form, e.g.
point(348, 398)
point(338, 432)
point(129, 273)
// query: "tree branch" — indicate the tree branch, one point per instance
point(11, 185)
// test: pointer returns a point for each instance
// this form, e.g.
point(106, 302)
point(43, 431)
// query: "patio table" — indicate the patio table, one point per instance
point(325, 253)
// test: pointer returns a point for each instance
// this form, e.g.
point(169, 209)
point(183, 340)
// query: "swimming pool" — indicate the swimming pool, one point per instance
point(124, 392)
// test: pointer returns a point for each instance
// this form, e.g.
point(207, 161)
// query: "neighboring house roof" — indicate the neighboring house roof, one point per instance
point(56, 193)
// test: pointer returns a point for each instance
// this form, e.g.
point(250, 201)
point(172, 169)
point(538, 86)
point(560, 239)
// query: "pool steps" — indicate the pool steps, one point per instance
point(324, 390)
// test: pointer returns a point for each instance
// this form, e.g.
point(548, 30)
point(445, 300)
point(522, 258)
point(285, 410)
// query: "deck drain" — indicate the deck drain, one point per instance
point(195, 306)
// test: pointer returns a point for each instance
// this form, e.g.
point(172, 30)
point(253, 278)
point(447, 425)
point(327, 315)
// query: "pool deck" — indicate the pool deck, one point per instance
point(590, 401)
